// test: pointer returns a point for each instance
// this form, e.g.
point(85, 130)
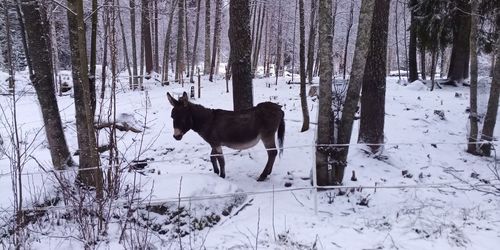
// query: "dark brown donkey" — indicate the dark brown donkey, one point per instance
point(234, 129)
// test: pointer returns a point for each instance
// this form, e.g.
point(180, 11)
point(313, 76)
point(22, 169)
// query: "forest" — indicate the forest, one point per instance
point(249, 124)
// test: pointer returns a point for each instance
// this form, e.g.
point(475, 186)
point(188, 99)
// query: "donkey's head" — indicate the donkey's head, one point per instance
point(181, 115)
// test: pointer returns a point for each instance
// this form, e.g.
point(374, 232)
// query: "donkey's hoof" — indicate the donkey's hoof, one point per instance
point(262, 178)
point(223, 175)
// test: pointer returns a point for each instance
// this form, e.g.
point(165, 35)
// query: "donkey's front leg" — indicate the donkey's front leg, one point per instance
point(220, 158)
point(213, 159)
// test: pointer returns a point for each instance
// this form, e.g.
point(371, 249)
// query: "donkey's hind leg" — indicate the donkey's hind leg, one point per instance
point(270, 145)
point(222, 164)
point(215, 156)
point(213, 159)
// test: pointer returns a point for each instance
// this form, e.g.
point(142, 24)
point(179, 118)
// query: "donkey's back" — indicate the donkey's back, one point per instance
point(243, 129)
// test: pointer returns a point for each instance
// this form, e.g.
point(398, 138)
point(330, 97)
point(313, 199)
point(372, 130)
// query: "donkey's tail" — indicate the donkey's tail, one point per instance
point(281, 134)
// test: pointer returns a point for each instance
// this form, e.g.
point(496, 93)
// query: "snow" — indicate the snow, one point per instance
point(402, 218)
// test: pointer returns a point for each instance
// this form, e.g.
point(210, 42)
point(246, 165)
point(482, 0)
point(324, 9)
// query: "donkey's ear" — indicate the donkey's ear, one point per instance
point(184, 99)
point(172, 100)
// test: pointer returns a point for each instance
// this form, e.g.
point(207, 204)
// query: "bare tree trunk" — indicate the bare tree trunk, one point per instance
point(188, 54)
point(217, 62)
point(279, 43)
point(348, 33)
point(442, 72)
point(54, 48)
point(433, 67)
point(491, 113)
point(9, 58)
point(422, 63)
point(217, 28)
point(105, 50)
point(405, 34)
point(266, 48)
point(253, 12)
point(366, 16)
point(459, 61)
point(311, 41)
point(303, 98)
point(206, 63)
point(20, 18)
point(125, 49)
point(255, 53)
point(156, 39)
point(134, 46)
point(93, 55)
point(166, 52)
point(38, 38)
point(146, 37)
point(473, 118)
point(316, 60)
point(324, 166)
point(397, 40)
point(371, 125)
point(492, 67)
point(241, 50)
point(179, 64)
point(195, 45)
point(293, 40)
point(412, 50)
point(89, 157)
point(259, 42)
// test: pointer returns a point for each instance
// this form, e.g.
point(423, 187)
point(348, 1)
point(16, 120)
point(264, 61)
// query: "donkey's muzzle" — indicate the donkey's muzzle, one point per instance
point(178, 134)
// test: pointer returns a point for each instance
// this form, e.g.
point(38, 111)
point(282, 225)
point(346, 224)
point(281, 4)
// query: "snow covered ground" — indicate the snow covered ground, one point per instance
point(422, 149)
